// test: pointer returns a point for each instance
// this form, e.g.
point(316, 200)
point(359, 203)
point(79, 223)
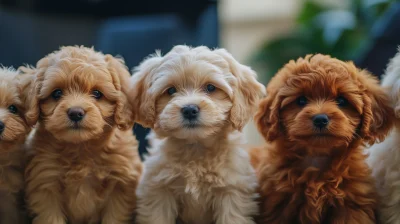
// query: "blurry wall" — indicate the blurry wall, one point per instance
point(246, 25)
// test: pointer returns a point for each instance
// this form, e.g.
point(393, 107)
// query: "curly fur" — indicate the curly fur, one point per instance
point(384, 157)
point(13, 90)
point(308, 175)
point(198, 174)
point(86, 173)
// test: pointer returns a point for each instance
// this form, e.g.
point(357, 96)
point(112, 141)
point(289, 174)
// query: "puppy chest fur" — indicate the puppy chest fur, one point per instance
point(197, 179)
point(87, 186)
point(11, 167)
point(11, 185)
point(86, 178)
point(316, 189)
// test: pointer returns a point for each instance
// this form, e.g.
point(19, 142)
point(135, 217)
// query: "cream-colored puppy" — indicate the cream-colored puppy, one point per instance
point(384, 157)
point(14, 128)
point(196, 100)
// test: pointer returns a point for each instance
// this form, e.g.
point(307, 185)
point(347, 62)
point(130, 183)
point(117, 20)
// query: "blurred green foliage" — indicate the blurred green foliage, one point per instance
point(342, 32)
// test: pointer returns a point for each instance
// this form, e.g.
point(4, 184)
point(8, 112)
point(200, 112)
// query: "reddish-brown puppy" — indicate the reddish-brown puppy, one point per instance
point(318, 114)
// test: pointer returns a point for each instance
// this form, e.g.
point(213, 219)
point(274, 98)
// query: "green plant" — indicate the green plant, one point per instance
point(340, 32)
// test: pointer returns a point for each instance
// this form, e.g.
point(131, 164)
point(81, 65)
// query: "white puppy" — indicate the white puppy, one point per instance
point(384, 158)
point(196, 100)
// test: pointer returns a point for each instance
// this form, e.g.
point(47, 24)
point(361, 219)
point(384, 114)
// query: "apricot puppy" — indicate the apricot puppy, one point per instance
point(14, 128)
point(317, 117)
point(196, 100)
point(85, 165)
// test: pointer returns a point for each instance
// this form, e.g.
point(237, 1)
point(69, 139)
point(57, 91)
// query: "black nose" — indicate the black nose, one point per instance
point(190, 112)
point(320, 120)
point(76, 114)
point(2, 127)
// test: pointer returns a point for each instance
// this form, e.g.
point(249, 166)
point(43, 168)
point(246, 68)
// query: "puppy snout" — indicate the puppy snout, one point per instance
point(76, 114)
point(2, 127)
point(190, 112)
point(320, 120)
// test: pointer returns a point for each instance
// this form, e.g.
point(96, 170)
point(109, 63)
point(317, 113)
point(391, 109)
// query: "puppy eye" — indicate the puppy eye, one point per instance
point(301, 101)
point(171, 90)
point(13, 109)
point(56, 94)
point(210, 88)
point(341, 101)
point(97, 94)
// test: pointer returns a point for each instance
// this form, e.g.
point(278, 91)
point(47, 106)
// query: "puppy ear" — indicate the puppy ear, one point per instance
point(267, 116)
point(378, 115)
point(123, 112)
point(141, 97)
point(31, 86)
point(26, 79)
point(247, 91)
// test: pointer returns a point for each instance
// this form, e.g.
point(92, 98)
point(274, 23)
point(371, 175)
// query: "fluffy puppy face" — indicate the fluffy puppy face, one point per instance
point(192, 93)
point(13, 124)
point(321, 102)
point(79, 94)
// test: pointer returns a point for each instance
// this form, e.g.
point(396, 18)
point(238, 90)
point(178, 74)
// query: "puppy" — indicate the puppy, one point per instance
point(384, 157)
point(14, 128)
point(85, 165)
point(318, 114)
point(196, 100)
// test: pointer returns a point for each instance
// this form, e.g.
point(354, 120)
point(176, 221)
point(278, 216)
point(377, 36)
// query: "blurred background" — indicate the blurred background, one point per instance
point(262, 33)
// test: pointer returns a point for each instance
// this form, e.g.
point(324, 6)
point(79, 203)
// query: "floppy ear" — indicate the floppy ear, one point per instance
point(123, 112)
point(26, 79)
point(267, 116)
point(33, 78)
point(140, 95)
point(247, 91)
point(378, 115)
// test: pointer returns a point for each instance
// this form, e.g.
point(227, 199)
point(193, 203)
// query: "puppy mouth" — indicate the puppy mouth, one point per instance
point(10, 139)
point(76, 126)
point(191, 125)
point(316, 135)
point(323, 135)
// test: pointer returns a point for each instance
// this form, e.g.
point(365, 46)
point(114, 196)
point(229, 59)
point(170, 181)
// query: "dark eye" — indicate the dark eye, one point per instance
point(171, 90)
point(301, 101)
point(341, 101)
point(56, 94)
point(210, 88)
point(97, 94)
point(13, 109)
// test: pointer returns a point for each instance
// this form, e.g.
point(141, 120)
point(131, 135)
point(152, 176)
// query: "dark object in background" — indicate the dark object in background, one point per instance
point(111, 8)
point(31, 29)
point(385, 42)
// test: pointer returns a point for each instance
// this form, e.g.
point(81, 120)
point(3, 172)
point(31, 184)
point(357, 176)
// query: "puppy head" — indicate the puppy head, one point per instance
point(194, 92)
point(80, 94)
point(391, 81)
point(322, 102)
point(13, 123)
